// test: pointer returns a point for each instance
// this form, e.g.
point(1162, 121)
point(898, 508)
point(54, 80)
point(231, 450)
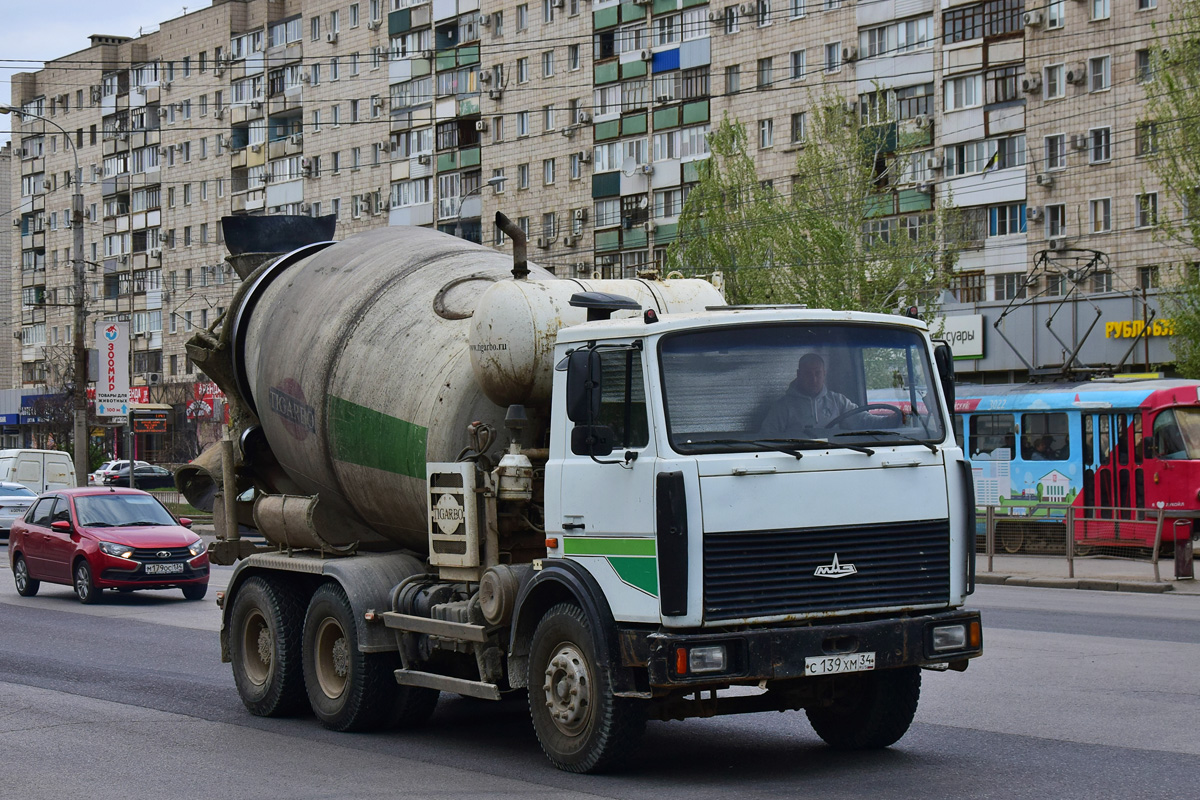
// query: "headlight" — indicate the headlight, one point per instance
point(949, 637)
point(118, 550)
point(197, 547)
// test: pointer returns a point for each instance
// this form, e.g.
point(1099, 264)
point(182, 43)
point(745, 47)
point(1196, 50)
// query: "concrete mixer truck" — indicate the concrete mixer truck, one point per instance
point(623, 497)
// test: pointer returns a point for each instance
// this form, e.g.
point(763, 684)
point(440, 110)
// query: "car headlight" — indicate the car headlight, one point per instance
point(197, 547)
point(118, 550)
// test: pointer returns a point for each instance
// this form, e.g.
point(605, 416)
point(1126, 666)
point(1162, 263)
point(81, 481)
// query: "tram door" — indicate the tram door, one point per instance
point(1112, 462)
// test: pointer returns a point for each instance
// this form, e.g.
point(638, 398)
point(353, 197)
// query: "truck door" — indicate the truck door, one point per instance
point(30, 471)
point(607, 502)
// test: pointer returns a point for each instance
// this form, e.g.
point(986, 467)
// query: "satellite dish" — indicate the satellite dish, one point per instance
point(629, 166)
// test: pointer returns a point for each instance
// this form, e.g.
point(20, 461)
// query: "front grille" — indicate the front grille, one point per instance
point(771, 573)
point(151, 554)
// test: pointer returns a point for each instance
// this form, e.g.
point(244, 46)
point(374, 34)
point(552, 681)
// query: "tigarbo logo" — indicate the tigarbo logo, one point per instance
point(835, 570)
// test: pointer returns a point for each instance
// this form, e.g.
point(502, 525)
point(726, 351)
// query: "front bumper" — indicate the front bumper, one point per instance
point(778, 653)
point(115, 573)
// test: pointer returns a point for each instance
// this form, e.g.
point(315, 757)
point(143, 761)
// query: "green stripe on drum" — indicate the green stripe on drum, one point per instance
point(589, 546)
point(368, 438)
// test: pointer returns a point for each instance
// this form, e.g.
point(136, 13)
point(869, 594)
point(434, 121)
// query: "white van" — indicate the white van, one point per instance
point(40, 470)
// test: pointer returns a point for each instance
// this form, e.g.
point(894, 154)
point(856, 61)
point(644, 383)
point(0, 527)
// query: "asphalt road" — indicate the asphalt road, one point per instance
point(1079, 695)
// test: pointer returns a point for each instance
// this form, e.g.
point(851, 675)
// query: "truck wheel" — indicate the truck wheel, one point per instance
point(871, 709)
point(581, 725)
point(264, 643)
point(348, 690)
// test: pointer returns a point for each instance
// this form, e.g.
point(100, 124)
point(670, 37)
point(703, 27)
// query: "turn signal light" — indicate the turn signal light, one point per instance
point(551, 542)
point(976, 635)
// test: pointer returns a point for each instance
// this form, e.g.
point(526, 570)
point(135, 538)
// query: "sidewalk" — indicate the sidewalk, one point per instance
point(1103, 574)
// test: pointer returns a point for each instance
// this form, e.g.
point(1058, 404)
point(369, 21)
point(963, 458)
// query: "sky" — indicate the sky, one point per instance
point(34, 32)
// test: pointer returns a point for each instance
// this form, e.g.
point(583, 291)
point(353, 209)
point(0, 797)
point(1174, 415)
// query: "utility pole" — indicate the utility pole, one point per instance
point(79, 350)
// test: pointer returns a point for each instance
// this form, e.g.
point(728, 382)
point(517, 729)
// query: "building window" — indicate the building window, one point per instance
point(522, 70)
point(522, 17)
point(1146, 138)
point(1101, 9)
point(766, 133)
point(968, 287)
point(1055, 81)
point(548, 171)
point(1148, 277)
point(765, 72)
point(833, 56)
point(1009, 286)
point(1055, 14)
point(799, 62)
point(1146, 210)
point(1101, 282)
point(548, 64)
point(572, 57)
point(797, 8)
point(1100, 73)
point(733, 79)
point(962, 24)
point(1003, 84)
point(1056, 151)
point(799, 126)
point(965, 92)
point(1056, 221)
point(1006, 220)
point(1100, 215)
point(1142, 70)
point(1100, 145)
point(522, 123)
point(733, 22)
point(522, 176)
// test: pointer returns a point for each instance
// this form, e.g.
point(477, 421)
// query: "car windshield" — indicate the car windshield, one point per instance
point(17, 491)
point(118, 510)
point(802, 385)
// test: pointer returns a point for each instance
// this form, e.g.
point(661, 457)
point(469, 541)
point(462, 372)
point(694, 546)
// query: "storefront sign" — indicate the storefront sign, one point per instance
point(964, 333)
point(1133, 328)
point(112, 385)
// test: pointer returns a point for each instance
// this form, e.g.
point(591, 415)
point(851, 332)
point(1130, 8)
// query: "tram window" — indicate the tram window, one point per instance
point(1045, 437)
point(1088, 442)
point(992, 437)
point(1104, 440)
point(1137, 438)
point(1121, 435)
point(1168, 440)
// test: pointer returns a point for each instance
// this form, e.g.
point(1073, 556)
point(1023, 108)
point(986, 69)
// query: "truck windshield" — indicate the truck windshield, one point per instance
point(810, 386)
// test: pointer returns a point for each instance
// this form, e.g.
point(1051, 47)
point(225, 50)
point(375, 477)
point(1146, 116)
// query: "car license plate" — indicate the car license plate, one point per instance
point(163, 569)
point(830, 665)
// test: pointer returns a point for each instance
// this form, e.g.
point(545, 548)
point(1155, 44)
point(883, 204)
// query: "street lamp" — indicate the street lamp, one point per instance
point(493, 181)
point(80, 346)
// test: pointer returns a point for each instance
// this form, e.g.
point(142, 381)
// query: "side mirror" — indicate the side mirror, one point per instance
point(60, 525)
point(185, 522)
point(943, 356)
point(583, 386)
point(592, 440)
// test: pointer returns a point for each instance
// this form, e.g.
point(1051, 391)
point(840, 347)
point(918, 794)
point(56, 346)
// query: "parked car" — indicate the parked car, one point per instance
point(145, 477)
point(111, 468)
point(95, 538)
point(15, 500)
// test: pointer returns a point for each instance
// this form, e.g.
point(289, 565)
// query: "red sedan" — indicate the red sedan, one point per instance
point(97, 538)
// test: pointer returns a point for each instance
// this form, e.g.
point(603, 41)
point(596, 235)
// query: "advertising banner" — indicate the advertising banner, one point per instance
point(112, 386)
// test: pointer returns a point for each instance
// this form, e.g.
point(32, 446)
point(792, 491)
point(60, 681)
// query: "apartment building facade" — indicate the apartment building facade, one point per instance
point(585, 123)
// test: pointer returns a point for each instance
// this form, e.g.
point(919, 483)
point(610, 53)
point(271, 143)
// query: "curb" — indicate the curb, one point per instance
point(1092, 584)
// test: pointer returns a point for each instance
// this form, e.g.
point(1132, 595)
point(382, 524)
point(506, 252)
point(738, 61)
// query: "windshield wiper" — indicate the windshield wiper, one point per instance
point(817, 444)
point(897, 434)
point(762, 444)
point(138, 522)
point(790, 446)
point(97, 524)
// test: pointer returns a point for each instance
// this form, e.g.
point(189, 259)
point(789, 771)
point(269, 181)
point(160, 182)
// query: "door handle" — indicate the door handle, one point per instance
point(573, 526)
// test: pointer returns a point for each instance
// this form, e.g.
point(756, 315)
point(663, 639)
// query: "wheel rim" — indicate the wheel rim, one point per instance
point(83, 582)
point(332, 658)
point(258, 648)
point(21, 575)
point(568, 689)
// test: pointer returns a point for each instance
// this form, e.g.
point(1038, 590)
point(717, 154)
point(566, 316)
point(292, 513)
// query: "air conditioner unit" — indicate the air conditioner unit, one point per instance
point(122, 137)
point(543, 242)
point(642, 2)
point(851, 107)
point(256, 104)
point(305, 77)
point(556, 3)
point(1045, 180)
point(849, 53)
point(585, 157)
point(163, 237)
point(166, 297)
point(306, 165)
point(153, 378)
point(925, 188)
point(376, 103)
point(650, 227)
point(713, 16)
point(138, 335)
point(579, 215)
point(663, 99)
point(1033, 214)
point(219, 113)
point(222, 140)
point(155, 252)
point(583, 118)
point(647, 169)
point(568, 241)
point(166, 86)
point(374, 24)
point(481, 125)
point(426, 54)
point(922, 120)
point(1031, 84)
point(1032, 19)
point(95, 94)
point(495, 94)
point(364, 205)
point(162, 113)
point(256, 148)
point(1058, 244)
point(296, 138)
point(485, 76)
point(645, 55)
point(162, 151)
point(1077, 74)
point(485, 20)
point(306, 208)
point(933, 162)
point(1079, 141)
point(423, 158)
point(331, 37)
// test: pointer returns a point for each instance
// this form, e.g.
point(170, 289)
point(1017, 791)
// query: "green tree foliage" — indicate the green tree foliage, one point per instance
point(824, 241)
point(1171, 129)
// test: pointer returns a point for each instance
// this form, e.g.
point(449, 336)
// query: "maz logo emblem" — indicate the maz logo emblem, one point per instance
point(835, 570)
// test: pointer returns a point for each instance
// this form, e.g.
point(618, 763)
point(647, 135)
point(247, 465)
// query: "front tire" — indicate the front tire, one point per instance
point(26, 586)
point(348, 690)
point(264, 644)
point(871, 710)
point(195, 591)
point(85, 587)
point(581, 725)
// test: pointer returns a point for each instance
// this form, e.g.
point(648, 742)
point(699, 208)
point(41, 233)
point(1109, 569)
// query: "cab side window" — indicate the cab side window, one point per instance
point(623, 397)
point(42, 511)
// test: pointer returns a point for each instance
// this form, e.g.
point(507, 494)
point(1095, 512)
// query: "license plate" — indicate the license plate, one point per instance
point(163, 569)
point(831, 665)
